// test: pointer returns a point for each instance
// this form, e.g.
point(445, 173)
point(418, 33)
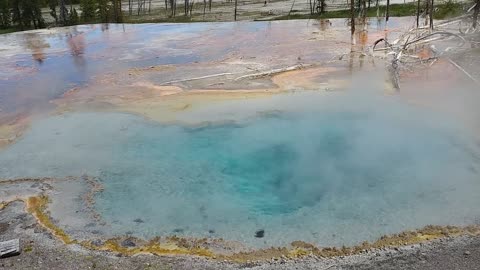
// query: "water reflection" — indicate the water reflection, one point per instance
point(37, 45)
point(324, 25)
point(105, 27)
point(76, 43)
point(58, 60)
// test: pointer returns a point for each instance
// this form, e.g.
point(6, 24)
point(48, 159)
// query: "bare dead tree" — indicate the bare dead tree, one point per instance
point(387, 15)
point(418, 12)
point(352, 16)
point(431, 15)
point(364, 8)
point(399, 51)
point(321, 6)
point(235, 16)
point(204, 8)
point(315, 7)
point(120, 14)
point(427, 11)
point(475, 14)
point(117, 10)
point(291, 8)
point(63, 12)
point(209, 5)
point(174, 8)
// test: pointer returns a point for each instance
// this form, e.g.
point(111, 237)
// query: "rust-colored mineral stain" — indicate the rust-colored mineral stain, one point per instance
point(37, 205)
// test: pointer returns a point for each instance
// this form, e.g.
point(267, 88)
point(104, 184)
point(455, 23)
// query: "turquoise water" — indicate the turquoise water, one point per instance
point(332, 176)
point(328, 168)
point(308, 176)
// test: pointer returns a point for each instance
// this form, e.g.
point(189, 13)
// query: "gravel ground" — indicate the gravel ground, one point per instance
point(457, 254)
point(41, 251)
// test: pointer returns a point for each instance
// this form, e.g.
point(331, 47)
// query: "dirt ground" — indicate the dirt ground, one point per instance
point(41, 251)
point(223, 10)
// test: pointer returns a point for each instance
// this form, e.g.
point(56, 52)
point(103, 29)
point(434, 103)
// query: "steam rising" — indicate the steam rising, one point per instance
point(331, 168)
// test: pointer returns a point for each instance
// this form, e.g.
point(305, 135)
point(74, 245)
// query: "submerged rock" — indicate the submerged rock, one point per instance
point(260, 233)
point(97, 242)
point(128, 243)
point(138, 220)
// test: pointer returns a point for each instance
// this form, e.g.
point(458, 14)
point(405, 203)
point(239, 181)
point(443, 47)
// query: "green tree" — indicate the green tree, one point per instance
point(117, 10)
point(27, 13)
point(35, 9)
point(5, 14)
point(52, 4)
point(103, 10)
point(17, 13)
point(89, 8)
point(63, 12)
point(73, 18)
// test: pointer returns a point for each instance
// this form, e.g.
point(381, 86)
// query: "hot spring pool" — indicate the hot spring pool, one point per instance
point(331, 175)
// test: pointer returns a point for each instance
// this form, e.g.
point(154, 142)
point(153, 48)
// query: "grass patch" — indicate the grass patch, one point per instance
point(152, 19)
point(442, 11)
point(448, 9)
point(8, 30)
point(28, 248)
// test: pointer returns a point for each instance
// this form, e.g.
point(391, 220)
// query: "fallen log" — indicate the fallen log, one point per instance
point(270, 72)
point(9, 248)
point(198, 78)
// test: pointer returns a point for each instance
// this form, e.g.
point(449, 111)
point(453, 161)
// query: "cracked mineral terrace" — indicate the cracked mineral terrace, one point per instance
point(264, 145)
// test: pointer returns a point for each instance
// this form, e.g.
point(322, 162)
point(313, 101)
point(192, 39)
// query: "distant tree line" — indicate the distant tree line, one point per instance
point(22, 13)
point(27, 14)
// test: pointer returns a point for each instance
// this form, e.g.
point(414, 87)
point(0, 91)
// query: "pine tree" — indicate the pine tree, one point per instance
point(89, 9)
point(103, 10)
point(117, 11)
point(63, 12)
point(73, 18)
point(27, 13)
point(17, 14)
point(52, 4)
point(5, 14)
point(475, 13)
point(37, 18)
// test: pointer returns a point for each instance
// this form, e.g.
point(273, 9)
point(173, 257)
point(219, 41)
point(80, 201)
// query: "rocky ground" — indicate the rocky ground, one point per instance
point(41, 251)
